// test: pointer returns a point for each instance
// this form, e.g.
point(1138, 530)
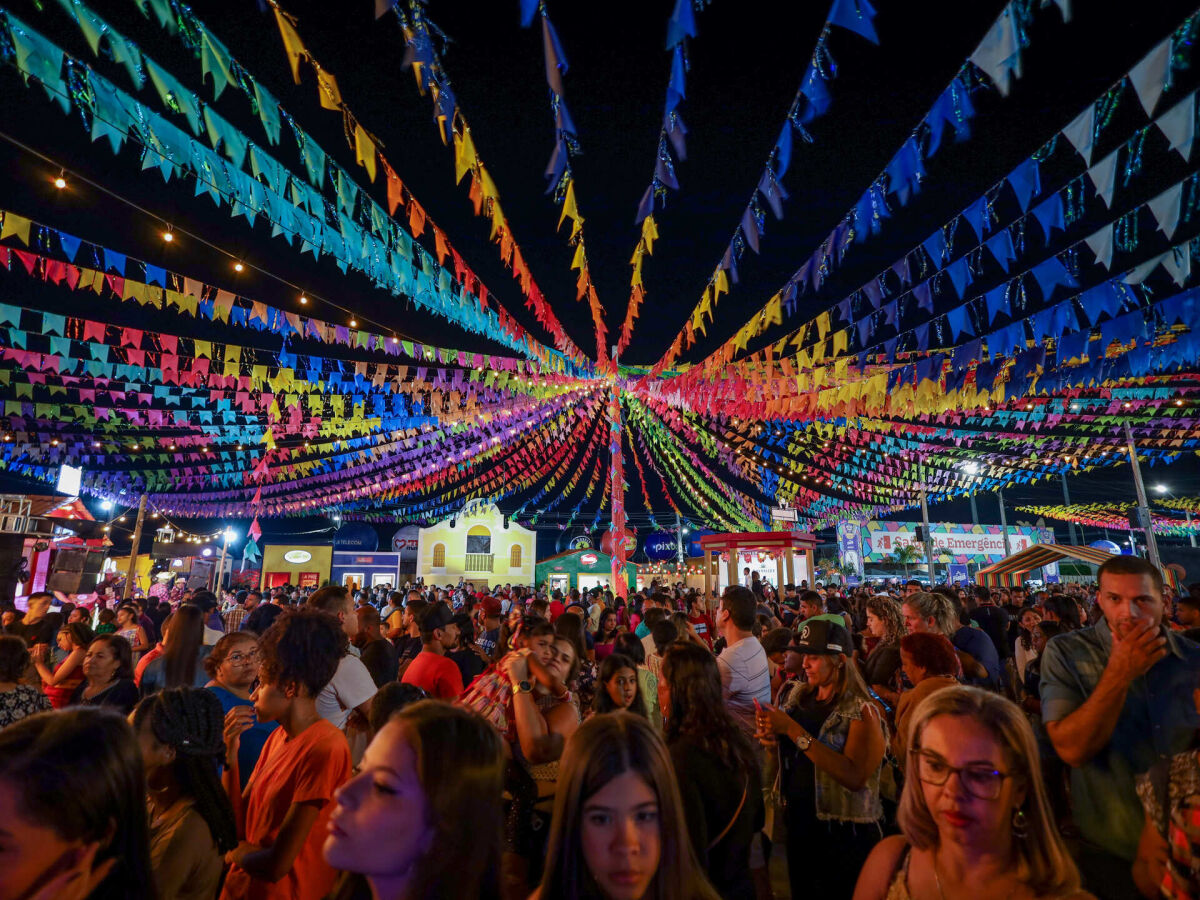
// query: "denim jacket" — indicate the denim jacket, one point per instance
point(835, 802)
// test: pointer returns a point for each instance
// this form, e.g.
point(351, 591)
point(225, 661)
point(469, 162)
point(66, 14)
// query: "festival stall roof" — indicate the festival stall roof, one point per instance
point(784, 545)
point(1011, 571)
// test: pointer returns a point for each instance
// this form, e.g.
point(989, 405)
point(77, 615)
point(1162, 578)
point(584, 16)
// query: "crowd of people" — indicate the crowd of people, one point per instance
point(887, 743)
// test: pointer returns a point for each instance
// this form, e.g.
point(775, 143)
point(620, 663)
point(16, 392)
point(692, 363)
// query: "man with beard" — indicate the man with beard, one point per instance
point(1117, 697)
point(432, 669)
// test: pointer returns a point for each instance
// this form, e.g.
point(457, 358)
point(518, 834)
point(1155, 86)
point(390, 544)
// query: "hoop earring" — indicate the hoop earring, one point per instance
point(1020, 824)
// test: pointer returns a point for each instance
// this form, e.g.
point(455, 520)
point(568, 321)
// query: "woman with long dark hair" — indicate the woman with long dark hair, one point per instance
point(59, 684)
point(71, 803)
point(182, 661)
point(606, 634)
point(617, 686)
point(429, 785)
point(180, 731)
point(619, 828)
point(717, 769)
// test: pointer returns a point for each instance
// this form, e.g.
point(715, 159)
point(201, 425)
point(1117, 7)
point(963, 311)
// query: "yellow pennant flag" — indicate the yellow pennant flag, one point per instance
point(649, 233)
point(327, 90)
point(15, 225)
point(465, 157)
point(569, 208)
point(292, 44)
point(364, 150)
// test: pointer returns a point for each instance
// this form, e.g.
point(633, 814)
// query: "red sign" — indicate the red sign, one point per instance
point(589, 559)
point(310, 579)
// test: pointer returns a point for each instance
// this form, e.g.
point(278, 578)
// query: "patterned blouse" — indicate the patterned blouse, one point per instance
point(21, 701)
point(1177, 781)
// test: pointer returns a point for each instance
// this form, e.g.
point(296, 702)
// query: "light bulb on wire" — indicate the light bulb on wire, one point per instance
point(61, 181)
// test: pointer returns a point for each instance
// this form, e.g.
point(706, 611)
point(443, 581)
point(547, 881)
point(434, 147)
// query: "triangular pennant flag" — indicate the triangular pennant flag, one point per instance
point(1080, 132)
point(1104, 177)
point(1166, 207)
point(856, 16)
point(1178, 262)
point(1101, 244)
point(1149, 76)
point(1178, 125)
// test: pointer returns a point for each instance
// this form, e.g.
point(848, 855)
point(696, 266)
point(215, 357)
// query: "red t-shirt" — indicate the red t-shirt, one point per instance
point(306, 769)
point(555, 610)
point(437, 674)
point(703, 626)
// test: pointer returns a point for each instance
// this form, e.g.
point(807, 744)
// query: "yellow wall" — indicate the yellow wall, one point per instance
point(141, 576)
point(454, 541)
point(273, 561)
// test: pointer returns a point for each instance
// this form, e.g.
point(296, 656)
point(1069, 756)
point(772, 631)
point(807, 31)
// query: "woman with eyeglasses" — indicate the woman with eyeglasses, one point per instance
point(974, 815)
point(233, 667)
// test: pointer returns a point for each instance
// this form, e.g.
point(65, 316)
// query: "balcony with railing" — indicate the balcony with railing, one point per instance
point(479, 562)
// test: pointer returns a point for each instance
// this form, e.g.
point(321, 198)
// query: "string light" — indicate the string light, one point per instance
point(303, 300)
point(61, 181)
point(238, 267)
point(354, 323)
point(168, 235)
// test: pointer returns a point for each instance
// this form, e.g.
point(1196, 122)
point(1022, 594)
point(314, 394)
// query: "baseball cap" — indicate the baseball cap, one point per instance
point(438, 615)
point(822, 635)
point(491, 606)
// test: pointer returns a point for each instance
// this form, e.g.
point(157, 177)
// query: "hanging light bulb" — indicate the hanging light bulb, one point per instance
point(61, 181)
point(303, 300)
point(238, 267)
point(168, 235)
point(353, 323)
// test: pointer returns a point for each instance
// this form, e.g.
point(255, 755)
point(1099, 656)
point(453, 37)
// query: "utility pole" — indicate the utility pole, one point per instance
point(131, 572)
point(1067, 502)
point(679, 545)
point(1143, 505)
point(221, 566)
point(1004, 524)
point(928, 536)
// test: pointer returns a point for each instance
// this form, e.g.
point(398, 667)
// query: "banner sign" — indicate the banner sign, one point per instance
point(980, 544)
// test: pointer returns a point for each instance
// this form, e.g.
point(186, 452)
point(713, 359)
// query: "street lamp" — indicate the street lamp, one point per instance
point(1163, 489)
point(229, 535)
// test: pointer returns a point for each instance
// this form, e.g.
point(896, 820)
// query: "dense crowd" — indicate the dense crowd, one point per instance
point(877, 742)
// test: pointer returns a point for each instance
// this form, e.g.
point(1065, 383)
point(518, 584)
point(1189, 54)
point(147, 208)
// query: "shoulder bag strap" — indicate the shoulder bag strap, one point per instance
point(736, 813)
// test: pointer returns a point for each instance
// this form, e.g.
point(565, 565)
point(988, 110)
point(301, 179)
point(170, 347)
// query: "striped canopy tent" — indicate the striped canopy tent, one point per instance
point(1011, 571)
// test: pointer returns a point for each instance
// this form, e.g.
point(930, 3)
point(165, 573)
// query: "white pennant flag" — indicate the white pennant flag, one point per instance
point(1101, 244)
point(1179, 263)
point(1104, 177)
point(1150, 75)
point(1142, 272)
point(1166, 208)
point(1079, 133)
point(1178, 125)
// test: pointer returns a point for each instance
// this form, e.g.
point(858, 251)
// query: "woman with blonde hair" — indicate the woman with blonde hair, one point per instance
point(619, 829)
point(831, 742)
point(975, 819)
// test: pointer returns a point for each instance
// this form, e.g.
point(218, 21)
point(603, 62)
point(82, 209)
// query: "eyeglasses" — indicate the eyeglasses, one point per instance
point(239, 658)
point(980, 781)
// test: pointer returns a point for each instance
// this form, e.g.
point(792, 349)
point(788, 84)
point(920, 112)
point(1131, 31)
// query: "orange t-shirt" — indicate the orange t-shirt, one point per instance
point(306, 769)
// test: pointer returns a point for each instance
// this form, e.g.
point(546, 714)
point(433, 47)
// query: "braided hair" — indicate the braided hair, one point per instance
point(191, 722)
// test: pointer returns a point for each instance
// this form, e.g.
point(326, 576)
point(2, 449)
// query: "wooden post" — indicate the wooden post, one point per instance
point(707, 575)
point(131, 573)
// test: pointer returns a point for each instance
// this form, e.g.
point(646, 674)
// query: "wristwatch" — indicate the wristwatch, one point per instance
point(522, 687)
point(803, 741)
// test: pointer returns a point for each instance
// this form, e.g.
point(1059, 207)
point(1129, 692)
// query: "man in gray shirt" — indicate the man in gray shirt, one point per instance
point(745, 674)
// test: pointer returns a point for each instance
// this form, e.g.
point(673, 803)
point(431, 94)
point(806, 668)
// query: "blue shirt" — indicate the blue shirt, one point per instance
point(1158, 720)
point(980, 646)
point(251, 744)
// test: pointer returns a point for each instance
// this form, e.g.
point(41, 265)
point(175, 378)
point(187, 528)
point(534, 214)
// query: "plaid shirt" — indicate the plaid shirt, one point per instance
point(234, 619)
